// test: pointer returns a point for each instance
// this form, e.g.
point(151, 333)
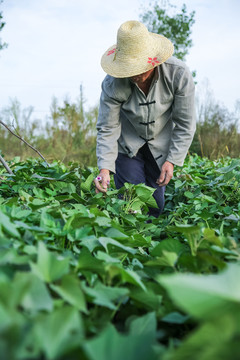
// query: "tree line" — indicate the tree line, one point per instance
point(69, 135)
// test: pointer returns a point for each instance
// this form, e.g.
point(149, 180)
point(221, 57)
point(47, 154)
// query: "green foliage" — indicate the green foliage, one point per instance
point(69, 135)
point(87, 276)
point(175, 26)
point(217, 133)
point(138, 344)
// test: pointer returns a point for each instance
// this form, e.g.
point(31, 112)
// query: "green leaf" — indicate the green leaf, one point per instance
point(8, 226)
point(200, 345)
point(192, 233)
point(127, 276)
point(227, 210)
point(149, 299)
point(210, 236)
point(186, 228)
point(37, 296)
point(139, 240)
point(11, 256)
point(107, 258)
point(6, 318)
point(204, 296)
point(18, 213)
point(12, 293)
point(105, 295)
point(107, 243)
point(81, 209)
point(144, 325)
point(49, 266)
point(86, 185)
point(167, 259)
point(47, 220)
point(70, 290)
point(36, 204)
point(145, 194)
point(143, 191)
point(65, 187)
point(234, 164)
point(175, 318)
point(225, 251)
point(178, 184)
point(86, 261)
point(189, 195)
point(112, 345)
point(103, 221)
point(90, 242)
point(208, 199)
point(78, 219)
point(232, 217)
point(116, 234)
point(170, 245)
point(59, 332)
point(137, 205)
point(82, 232)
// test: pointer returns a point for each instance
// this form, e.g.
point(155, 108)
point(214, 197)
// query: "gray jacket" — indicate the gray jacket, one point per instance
point(165, 118)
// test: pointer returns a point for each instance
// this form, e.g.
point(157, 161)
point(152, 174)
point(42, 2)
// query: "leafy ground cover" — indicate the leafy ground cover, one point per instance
point(87, 276)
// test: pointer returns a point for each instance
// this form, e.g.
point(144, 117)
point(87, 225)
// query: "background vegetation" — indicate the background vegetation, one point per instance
point(70, 134)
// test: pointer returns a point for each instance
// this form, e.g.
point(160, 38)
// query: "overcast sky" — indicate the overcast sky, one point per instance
point(56, 45)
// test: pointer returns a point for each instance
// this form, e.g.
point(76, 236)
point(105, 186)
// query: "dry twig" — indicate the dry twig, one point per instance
point(25, 142)
point(6, 165)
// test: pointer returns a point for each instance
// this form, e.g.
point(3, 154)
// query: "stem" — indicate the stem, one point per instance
point(124, 257)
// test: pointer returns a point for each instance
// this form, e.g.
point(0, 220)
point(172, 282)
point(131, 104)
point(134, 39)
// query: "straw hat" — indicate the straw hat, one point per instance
point(137, 51)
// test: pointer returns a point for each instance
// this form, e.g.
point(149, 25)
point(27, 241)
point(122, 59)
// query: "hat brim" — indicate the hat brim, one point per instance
point(126, 66)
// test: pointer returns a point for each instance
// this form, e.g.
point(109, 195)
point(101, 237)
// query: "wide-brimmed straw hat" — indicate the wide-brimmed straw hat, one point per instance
point(137, 51)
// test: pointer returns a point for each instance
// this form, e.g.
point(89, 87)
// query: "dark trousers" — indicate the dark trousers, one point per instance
point(142, 168)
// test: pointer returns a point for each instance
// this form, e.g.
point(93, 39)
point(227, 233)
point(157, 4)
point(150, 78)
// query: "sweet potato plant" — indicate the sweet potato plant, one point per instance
point(90, 276)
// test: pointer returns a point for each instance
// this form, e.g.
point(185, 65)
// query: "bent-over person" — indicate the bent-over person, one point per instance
point(146, 116)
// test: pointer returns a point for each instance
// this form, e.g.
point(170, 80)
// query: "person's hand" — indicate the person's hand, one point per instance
point(102, 181)
point(166, 174)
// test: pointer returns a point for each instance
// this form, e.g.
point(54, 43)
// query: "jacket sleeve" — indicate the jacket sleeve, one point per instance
point(108, 127)
point(183, 116)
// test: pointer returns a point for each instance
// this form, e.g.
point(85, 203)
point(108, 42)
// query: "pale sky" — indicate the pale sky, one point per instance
point(56, 45)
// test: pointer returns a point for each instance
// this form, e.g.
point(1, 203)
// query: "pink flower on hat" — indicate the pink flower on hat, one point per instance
point(153, 61)
point(111, 51)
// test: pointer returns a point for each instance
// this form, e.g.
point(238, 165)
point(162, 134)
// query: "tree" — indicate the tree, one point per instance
point(177, 27)
point(2, 24)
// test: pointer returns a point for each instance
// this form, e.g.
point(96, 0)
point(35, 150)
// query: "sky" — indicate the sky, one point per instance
point(54, 46)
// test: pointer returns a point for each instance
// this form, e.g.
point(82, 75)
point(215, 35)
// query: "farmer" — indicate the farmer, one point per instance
point(146, 116)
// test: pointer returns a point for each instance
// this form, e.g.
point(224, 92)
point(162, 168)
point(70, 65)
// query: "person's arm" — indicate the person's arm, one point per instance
point(183, 116)
point(108, 133)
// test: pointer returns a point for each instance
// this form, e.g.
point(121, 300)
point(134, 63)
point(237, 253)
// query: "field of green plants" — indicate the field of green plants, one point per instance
point(87, 276)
